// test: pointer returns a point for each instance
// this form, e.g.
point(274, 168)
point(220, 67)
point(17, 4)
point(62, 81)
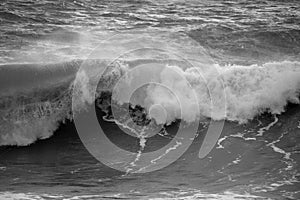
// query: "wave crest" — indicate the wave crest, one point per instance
point(249, 90)
point(26, 116)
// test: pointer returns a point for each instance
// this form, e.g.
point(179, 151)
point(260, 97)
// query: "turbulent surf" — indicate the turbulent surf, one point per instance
point(35, 99)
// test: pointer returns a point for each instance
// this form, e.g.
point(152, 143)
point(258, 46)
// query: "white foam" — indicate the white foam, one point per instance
point(286, 155)
point(266, 128)
point(187, 194)
point(249, 90)
point(21, 127)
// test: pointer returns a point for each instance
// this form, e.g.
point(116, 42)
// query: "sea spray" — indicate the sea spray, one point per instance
point(250, 91)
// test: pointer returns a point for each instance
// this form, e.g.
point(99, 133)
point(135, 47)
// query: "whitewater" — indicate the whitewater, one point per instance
point(33, 107)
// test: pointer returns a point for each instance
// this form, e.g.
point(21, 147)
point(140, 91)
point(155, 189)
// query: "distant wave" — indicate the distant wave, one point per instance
point(36, 98)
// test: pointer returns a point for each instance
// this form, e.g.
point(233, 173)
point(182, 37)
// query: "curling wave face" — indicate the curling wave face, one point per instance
point(35, 99)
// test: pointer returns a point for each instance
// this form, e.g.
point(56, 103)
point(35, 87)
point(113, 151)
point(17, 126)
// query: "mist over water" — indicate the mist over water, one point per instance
point(253, 45)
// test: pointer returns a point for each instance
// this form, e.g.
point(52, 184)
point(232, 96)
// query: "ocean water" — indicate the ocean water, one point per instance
point(242, 54)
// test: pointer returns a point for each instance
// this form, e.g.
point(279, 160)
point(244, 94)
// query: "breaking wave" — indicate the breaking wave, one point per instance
point(36, 98)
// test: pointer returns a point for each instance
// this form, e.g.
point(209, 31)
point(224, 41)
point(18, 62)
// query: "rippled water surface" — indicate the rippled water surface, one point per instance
point(234, 31)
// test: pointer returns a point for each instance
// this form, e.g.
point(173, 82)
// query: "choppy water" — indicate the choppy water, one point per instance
point(42, 45)
point(241, 31)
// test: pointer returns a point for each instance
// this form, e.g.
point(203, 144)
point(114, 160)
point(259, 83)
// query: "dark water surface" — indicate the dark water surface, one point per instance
point(241, 165)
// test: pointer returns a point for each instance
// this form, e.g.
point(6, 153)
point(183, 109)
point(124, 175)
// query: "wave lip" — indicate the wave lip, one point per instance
point(253, 90)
